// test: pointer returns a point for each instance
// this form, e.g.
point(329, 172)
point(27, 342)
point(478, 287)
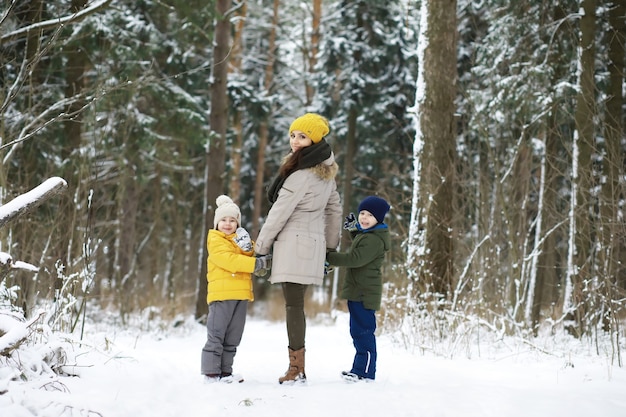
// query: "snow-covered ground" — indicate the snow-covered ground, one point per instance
point(156, 374)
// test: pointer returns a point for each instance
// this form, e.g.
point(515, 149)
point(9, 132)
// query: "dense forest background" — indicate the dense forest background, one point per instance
point(508, 212)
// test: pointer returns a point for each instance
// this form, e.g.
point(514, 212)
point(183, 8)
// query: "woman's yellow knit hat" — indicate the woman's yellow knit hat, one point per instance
point(314, 125)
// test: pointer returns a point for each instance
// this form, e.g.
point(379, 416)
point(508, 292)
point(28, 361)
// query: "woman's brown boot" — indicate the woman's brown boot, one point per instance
point(295, 373)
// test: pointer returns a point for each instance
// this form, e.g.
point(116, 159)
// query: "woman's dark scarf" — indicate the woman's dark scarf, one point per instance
point(309, 157)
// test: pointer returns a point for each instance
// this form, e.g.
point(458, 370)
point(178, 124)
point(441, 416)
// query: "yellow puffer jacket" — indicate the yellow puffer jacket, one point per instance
point(229, 269)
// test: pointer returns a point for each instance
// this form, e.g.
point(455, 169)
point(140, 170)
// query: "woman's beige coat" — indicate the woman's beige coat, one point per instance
point(302, 223)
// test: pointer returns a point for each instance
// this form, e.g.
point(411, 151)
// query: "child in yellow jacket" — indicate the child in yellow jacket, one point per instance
point(230, 264)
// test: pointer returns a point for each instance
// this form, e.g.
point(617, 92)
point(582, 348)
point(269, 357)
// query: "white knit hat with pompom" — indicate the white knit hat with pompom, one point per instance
point(226, 208)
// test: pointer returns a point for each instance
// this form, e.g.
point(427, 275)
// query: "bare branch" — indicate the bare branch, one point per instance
point(8, 11)
point(26, 132)
point(55, 23)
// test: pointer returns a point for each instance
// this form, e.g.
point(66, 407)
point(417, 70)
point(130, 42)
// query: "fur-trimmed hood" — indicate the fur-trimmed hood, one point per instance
point(327, 170)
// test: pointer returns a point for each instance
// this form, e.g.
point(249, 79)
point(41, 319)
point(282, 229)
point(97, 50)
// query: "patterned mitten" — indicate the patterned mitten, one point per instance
point(350, 223)
point(262, 265)
point(242, 239)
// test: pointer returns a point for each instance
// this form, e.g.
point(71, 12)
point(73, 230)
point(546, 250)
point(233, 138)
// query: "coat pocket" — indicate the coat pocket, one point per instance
point(298, 259)
point(305, 247)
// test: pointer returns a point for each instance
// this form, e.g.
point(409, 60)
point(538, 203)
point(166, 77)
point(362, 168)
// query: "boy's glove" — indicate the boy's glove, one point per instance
point(350, 223)
point(262, 265)
point(242, 239)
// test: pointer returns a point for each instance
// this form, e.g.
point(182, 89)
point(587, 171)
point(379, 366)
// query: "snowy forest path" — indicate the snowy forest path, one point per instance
point(142, 375)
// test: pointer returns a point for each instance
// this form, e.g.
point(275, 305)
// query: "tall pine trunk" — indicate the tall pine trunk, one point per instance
point(612, 226)
point(218, 121)
point(581, 224)
point(547, 276)
point(69, 244)
point(236, 152)
point(436, 129)
point(314, 48)
point(259, 194)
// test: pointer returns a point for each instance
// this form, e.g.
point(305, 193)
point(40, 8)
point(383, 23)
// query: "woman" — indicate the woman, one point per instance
point(304, 222)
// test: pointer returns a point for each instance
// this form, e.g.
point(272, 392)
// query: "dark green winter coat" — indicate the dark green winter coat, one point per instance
point(363, 262)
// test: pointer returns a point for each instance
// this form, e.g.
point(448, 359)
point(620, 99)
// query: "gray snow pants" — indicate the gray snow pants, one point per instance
point(224, 325)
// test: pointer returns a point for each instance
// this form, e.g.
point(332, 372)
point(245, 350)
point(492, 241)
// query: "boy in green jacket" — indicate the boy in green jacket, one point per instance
point(363, 285)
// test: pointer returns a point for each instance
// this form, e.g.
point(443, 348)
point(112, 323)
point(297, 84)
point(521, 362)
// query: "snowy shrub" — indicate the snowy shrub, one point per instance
point(30, 348)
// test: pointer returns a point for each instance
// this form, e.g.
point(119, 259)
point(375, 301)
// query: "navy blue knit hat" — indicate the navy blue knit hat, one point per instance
point(375, 205)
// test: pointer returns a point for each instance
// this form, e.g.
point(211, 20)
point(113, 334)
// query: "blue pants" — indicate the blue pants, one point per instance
point(362, 328)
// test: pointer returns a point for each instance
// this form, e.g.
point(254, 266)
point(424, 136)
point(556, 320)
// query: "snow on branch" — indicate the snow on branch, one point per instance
point(14, 332)
point(7, 263)
point(54, 23)
point(26, 202)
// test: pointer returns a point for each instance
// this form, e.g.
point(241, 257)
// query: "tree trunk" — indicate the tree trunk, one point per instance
point(348, 175)
point(69, 244)
point(315, 40)
point(234, 189)
point(126, 252)
point(611, 228)
point(580, 264)
point(534, 280)
point(259, 193)
point(235, 157)
point(35, 11)
point(518, 221)
point(75, 68)
point(435, 119)
point(259, 181)
point(546, 293)
point(218, 121)
point(348, 170)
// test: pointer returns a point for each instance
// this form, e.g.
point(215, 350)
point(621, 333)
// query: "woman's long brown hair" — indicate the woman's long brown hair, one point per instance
point(291, 163)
